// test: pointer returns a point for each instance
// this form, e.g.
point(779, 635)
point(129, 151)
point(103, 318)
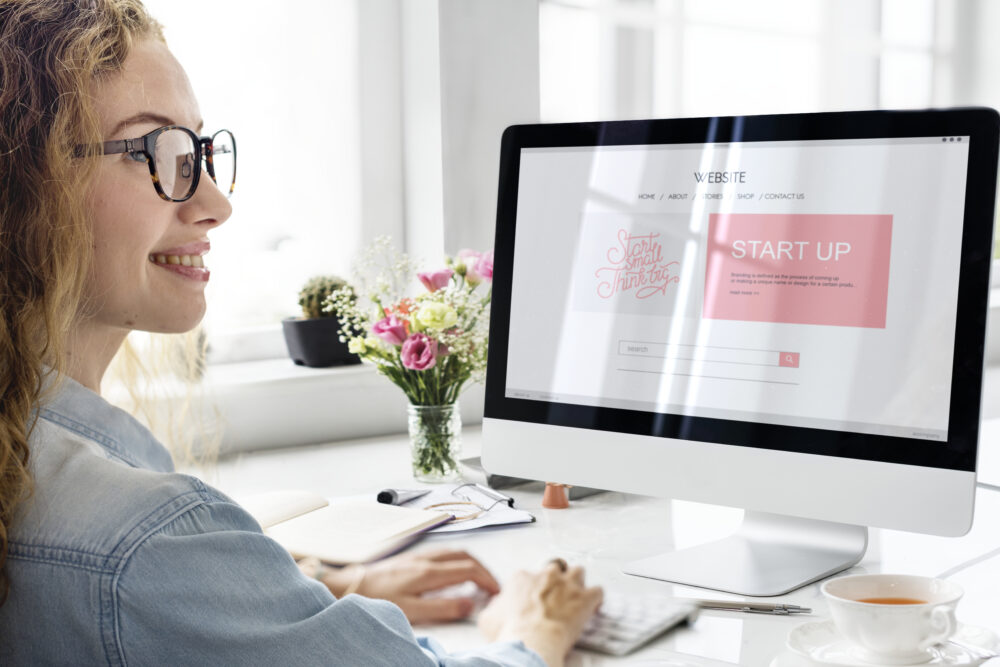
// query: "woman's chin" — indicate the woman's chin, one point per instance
point(180, 321)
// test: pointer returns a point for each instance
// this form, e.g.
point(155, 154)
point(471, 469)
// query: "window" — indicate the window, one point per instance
point(911, 53)
point(288, 84)
point(620, 59)
point(613, 59)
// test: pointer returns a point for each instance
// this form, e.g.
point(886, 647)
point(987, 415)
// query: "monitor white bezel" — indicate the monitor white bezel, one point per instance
point(866, 493)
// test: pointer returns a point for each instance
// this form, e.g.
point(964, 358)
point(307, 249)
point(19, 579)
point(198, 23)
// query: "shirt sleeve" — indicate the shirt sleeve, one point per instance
point(207, 587)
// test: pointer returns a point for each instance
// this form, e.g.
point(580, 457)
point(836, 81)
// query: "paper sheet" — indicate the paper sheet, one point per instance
point(499, 514)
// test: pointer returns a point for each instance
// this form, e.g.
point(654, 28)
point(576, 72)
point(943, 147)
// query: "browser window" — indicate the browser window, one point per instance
point(795, 283)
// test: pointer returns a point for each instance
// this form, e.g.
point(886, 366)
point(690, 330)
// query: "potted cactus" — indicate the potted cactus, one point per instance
point(313, 339)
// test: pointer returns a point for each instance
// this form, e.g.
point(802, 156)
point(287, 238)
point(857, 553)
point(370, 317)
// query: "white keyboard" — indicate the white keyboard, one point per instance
point(626, 622)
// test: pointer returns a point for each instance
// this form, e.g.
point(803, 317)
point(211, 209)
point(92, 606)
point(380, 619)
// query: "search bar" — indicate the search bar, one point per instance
point(709, 353)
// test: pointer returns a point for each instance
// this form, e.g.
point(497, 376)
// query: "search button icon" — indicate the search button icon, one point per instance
point(788, 359)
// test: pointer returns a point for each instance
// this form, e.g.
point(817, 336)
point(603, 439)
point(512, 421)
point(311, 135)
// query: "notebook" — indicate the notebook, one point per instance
point(354, 530)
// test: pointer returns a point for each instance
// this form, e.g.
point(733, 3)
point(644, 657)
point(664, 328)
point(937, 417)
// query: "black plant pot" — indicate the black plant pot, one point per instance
point(315, 342)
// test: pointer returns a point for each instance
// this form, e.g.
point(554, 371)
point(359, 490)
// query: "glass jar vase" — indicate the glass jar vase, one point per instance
point(435, 441)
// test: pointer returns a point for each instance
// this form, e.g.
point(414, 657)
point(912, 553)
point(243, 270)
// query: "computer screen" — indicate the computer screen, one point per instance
point(798, 296)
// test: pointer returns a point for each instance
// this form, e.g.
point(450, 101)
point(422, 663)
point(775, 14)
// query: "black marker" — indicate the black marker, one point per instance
point(399, 496)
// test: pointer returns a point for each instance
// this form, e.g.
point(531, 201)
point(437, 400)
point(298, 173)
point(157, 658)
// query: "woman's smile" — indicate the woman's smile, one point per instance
point(186, 260)
point(189, 266)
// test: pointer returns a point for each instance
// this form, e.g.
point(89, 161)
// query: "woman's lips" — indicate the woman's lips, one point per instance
point(199, 248)
point(193, 272)
point(185, 260)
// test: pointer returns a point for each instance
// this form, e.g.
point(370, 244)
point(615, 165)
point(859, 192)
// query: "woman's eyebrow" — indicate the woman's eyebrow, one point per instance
point(149, 117)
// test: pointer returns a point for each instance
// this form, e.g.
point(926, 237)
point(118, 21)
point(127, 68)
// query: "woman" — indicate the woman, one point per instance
point(108, 556)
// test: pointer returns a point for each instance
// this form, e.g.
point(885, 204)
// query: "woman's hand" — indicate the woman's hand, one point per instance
point(546, 610)
point(405, 578)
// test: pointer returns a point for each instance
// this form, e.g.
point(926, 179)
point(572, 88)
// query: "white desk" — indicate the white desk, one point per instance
point(603, 531)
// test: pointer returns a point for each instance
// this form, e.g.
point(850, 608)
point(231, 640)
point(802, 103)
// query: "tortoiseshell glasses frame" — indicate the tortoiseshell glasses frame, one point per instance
point(144, 149)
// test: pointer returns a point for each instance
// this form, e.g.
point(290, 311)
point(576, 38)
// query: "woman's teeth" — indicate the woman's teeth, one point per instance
point(182, 260)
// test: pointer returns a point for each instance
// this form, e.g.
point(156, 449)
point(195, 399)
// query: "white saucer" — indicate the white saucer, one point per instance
point(821, 643)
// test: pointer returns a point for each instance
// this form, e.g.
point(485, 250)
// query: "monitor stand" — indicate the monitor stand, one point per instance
point(770, 554)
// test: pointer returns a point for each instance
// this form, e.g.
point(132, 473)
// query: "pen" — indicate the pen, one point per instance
point(754, 607)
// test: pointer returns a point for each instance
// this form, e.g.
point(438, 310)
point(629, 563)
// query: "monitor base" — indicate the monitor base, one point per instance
point(769, 554)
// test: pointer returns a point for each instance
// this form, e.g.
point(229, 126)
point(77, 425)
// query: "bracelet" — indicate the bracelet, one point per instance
point(356, 584)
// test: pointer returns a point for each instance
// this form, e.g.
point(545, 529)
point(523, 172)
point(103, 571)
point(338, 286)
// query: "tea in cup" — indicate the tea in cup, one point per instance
point(893, 618)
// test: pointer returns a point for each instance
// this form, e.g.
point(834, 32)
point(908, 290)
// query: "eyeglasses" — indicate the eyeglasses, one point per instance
point(483, 497)
point(173, 152)
point(475, 501)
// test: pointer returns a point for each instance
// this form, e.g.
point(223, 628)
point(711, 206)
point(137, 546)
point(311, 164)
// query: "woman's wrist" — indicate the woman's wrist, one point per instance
point(547, 638)
point(342, 581)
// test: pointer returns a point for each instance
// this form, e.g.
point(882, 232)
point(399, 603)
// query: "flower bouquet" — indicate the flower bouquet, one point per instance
point(429, 344)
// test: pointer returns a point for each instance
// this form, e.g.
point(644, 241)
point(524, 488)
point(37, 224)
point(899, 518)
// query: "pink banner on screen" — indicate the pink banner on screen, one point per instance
point(798, 269)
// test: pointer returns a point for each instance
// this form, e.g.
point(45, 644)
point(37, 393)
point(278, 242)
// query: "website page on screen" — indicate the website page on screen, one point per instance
point(808, 283)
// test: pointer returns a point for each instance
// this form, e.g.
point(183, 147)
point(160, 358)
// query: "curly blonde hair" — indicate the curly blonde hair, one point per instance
point(51, 53)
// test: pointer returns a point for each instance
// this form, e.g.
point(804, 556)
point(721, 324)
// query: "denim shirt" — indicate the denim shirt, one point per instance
point(117, 560)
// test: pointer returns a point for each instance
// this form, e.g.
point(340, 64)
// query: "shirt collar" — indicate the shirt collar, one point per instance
point(80, 410)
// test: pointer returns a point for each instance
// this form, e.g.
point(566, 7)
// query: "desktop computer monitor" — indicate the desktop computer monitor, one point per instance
point(780, 313)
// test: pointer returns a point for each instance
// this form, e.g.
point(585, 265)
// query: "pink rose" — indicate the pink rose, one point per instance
point(471, 259)
point(391, 329)
point(419, 352)
point(484, 266)
point(435, 280)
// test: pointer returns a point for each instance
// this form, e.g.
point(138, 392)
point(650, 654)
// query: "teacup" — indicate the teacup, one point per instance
point(893, 618)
